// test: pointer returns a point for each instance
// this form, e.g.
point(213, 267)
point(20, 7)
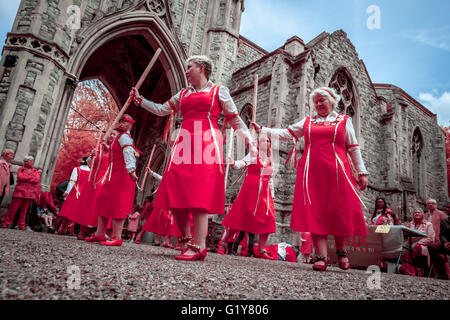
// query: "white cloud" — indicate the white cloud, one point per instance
point(434, 37)
point(437, 104)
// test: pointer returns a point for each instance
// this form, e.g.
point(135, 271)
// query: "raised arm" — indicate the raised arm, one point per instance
point(294, 131)
point(156, 108)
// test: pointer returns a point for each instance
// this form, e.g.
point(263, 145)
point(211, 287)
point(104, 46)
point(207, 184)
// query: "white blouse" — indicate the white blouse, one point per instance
point(350, 138)
point(128, 152)
point(225, 100)
point(74, 177)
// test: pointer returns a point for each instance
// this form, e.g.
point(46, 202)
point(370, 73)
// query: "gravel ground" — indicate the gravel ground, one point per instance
point(36, 266)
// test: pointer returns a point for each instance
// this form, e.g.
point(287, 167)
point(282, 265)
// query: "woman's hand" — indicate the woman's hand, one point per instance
point(148, 170)
point(135, 96)
point(133, 176)
point(256, 127)
point(363, 181)
point(230, 161)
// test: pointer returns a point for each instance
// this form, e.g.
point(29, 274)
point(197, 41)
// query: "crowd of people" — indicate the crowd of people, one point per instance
point(190, 200)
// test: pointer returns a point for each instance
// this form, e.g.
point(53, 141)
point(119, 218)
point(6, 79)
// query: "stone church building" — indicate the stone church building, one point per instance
point(55, 44)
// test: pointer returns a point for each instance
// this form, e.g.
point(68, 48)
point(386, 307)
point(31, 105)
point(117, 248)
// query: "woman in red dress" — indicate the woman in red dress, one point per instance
point(74, 190)
point(324, 171)
point(253, 211)
point(116, 197)
point(194, 180)
point(86, 214)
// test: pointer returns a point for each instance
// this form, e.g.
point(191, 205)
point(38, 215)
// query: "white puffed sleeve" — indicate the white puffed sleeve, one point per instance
point(126, 142)
point(162, 109)
point(353, 148)
point(231, 113)
point(73, 179)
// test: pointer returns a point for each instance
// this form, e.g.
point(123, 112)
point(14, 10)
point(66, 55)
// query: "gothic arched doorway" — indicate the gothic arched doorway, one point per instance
point(116, 50)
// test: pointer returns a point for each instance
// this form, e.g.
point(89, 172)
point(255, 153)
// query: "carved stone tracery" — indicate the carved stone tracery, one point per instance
point(343, 85)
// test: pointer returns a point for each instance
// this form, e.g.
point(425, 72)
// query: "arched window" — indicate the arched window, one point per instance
point(417, 161)
point(343, 84)
point(246, 114)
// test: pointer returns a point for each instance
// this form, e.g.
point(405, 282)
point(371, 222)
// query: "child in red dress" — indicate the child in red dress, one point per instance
point(254, 211)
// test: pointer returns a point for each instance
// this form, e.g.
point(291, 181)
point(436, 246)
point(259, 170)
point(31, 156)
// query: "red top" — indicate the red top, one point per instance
point(28, 181)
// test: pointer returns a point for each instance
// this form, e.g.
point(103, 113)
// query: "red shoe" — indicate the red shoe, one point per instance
point(343, 265)
point(319, 267)
point(182, 241)
point(112, 243)
point(138, 241)
point(200, 255)
point(221, 248)
point(94, 238)
point(168, 246)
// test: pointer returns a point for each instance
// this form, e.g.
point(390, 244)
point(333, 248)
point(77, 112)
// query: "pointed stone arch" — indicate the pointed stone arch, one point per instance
point(142, 31)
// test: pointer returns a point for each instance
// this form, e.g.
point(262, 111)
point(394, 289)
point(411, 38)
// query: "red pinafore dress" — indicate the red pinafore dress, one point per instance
point(70, 207)
point(326, 199)
point(253, 211)
point(194, 176)
point(116, 197)
point(86, 214)
point(162, 223)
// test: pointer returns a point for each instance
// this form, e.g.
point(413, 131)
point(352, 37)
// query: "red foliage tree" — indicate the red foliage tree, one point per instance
point(92, 109)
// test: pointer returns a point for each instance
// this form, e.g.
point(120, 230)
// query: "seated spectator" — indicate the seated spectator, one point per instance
point(382, 214)
point(25, 192)
point(283, 252)
point(421, 247)
point(440, 250)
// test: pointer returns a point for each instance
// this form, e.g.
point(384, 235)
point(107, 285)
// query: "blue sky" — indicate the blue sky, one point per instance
point(411, 49)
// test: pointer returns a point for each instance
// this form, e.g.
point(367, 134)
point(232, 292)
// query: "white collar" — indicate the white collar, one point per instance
point(330, 117)
point(208, 86)
point(85, 167)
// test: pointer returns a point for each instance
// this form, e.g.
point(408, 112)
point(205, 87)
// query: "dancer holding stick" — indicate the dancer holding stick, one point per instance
point(194, 177)
point(115, 200)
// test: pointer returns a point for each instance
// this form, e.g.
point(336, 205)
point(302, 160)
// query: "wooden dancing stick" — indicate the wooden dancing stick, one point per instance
point(93, 160)
point(230, 139)
point(255, 97)
point(128, 102)
point(100, 156)
point(147, 166)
